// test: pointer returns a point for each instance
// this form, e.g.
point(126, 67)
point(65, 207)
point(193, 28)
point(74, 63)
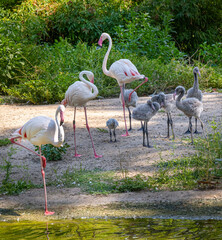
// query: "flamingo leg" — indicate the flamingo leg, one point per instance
point(87, 126)
point(196, 132)
point(191, 130)
point(146, 79)
point(124, 114)
point(74, 130)
point(47, 213)
point(168, 125)
point(42, 157)
point(171, 124)
point(130, 119)
point(114, 133)
point(110, 134)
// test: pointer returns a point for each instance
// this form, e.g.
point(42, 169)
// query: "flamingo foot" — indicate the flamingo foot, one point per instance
point(48, 213)
point(98, 156)
point(125, 135)
point(77, 155)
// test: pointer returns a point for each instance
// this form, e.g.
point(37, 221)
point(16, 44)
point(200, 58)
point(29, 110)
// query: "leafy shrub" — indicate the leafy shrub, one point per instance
point(140, 37)
point(211, 54)
point(52, 153)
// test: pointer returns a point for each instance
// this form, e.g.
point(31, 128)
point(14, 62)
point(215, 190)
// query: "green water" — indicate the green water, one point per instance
point(145, 228)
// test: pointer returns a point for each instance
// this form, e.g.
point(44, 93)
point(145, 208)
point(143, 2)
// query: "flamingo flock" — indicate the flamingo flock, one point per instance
point(42, 130)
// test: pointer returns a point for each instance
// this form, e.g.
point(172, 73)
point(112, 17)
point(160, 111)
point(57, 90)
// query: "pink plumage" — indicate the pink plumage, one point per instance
point(123, 70)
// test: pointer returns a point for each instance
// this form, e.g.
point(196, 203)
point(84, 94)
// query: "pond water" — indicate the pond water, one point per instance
point(143, 228)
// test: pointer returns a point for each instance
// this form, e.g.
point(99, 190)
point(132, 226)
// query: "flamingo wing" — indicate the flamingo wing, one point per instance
point(39, 130)
point(124, 71)
point(78, 94)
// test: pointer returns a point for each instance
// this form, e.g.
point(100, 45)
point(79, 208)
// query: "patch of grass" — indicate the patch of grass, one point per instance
point(4, 142)
point(9, 186)
point(100, 182)
point(102, 130)
point(184, 173)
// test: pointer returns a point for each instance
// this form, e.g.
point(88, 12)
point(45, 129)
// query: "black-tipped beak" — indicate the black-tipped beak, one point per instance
point(61, 123)
point(98, 47)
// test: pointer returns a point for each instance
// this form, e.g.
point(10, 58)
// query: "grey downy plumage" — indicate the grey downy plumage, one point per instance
point(144, 113)
point(191, 107)
point(196, 93)
point(168, 104)
point(112, 124)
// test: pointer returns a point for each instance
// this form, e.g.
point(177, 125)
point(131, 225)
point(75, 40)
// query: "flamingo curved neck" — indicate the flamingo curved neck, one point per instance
point(104, 66)
point(178, 100)
point(196, 84)
point(94, 88)
point(59, 138)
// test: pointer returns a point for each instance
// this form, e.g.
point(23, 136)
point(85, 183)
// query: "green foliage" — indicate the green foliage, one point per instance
point(4, 142)
point(59, 65)
point(9, 186)
point(211, 54)
point(139, 36)
point(194, 22)
point(52, 153)
point(184, 173)
point(101, 182)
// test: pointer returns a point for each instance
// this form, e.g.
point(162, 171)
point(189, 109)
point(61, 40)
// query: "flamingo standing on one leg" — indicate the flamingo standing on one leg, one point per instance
point(123, 70)
point(39, 131)
point(77, 95)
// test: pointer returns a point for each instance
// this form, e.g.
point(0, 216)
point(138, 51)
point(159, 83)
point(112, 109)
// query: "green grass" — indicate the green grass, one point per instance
point(4, 142)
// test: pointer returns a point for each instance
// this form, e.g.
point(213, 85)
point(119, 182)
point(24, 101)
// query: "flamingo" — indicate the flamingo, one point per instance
point(112, 123)
point(191, 107)
point(196, 93)
point(77, 95)
point(39, 131)
point(144, 112)
point(123, 70)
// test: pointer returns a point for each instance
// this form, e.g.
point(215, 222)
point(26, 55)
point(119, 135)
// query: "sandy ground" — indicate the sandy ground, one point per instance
point(127, 154)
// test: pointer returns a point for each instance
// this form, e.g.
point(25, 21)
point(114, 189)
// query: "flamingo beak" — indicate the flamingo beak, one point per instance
point(64, 102)
point(174, 96)
point(92, 81)
point(199, 73)
point(100, 43)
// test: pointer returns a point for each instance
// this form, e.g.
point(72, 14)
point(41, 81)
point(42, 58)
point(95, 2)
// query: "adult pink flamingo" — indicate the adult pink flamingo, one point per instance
point(39, 131)
point(123, 70)
point(77, 95)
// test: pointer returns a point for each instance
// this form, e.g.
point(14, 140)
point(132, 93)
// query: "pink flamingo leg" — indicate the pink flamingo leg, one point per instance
point(146, 79)
point(74, 129)
point(47, 213)
point(124, 115)
point(42, 157)
point(87, 126)
point(43, 165)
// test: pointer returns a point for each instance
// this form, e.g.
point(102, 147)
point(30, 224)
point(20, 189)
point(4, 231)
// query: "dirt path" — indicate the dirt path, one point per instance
point(127, 155)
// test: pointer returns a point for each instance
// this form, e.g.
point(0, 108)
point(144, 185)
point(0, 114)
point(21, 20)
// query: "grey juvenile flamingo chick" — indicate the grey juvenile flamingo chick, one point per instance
point(129, 103)
point(195, 92)
point(145, 112)
point(77, 95)
point(112, 124)
point(168, 104)
point(123, 70)
point(191, 107)
point(39, 131)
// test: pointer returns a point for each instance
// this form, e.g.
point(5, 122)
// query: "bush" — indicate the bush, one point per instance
point(52, 153)
point(58, 66)
point(211, 54)
point(142, 38)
